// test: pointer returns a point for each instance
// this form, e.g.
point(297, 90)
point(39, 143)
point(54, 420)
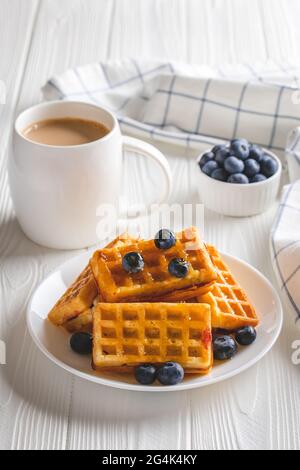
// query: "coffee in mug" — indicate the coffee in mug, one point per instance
point(59, 188)
point(66, 131)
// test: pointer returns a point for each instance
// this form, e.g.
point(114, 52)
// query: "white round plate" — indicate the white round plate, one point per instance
point(54, 342)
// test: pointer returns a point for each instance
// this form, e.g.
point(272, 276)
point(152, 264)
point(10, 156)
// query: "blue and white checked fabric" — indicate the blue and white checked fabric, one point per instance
point(285, 246)
point(200, 106)
point(190, 105)
point(293, 154)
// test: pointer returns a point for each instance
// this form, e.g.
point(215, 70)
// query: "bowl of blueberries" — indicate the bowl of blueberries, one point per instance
point(239, 179)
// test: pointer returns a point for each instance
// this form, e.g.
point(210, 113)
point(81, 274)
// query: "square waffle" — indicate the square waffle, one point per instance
point(116, 285)
point(79, 297)
point(230, 306)
point(126, 335)
point(84, 321)
point(81, 294)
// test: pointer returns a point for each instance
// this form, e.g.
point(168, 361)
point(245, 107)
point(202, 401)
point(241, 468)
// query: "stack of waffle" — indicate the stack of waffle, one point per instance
point(152, 316)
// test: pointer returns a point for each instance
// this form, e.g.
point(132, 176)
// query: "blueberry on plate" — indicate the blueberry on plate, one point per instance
point(209, 167)
point(238, 178)
point(246, 336)
point(207, 157)
point(178, 267)
point(220, 174)
point(165, 239)
point(258, 178)
point(240, 148)
point(252, 167)
point(234, 165)
point(269, 166)
point(170, 373)
point(224, 348)
point(256, 153)
point(221, 154)
point(145, 374)
point(221, 332)
point(133, 262)
point(82, 343)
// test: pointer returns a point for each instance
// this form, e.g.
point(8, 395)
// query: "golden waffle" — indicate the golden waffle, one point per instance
point(84, 322)
point(183, 295)
point(126, 335)
point(231, 308)
point(81, 295)
point(78, 298)
point(116, 285)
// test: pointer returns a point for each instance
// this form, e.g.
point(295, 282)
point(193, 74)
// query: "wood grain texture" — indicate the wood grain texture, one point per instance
point(41, 407)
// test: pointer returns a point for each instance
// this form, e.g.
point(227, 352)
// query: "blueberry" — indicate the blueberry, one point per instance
point(246, 336)
point(221, 155)
point(218, 147)
point(170, 373)
point(240, 148)
point(234, 165)
point(207, 157)
point(178, 267)
point(220, 174)
point(164, 239)
point(265, 157)
point(252, 167)
point(82, 343)
point(133, 263)
point(256, 153)
point(224, 348)
point(269, 166)
point(238, 178)
point(145, 374)
point(209, 167)
point(221, 332)
point(258, 178)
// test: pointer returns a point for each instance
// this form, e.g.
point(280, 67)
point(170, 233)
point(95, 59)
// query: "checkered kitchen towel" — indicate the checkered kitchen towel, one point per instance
point(293, 154)
point(285, 246)
point(199, 106)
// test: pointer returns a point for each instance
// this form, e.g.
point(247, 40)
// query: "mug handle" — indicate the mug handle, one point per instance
point(144, 149)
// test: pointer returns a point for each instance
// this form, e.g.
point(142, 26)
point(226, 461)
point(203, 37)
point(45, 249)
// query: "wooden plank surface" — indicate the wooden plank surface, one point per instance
point(41, 407)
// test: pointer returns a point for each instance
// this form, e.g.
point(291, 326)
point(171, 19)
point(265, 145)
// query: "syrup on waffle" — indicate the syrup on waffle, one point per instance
point(230, 306)
point(126, 335)
point(78, 298)
point(84, 321)
point(81, 295)
point(116, 285)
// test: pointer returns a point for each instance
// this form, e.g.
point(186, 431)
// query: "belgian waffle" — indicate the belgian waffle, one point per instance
point(230, 306)
point(84, 321)
point(126, 335)
point(80, 295)
point(78, 298)
point(155, 281)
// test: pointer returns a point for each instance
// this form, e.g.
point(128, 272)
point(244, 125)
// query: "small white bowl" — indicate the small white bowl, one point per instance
point(239, 200)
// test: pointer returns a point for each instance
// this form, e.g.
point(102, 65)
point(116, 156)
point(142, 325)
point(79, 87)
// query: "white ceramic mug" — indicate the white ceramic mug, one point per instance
point(57, 190)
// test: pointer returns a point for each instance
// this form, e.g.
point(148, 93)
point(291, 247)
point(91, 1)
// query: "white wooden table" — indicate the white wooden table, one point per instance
point(41, 407)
